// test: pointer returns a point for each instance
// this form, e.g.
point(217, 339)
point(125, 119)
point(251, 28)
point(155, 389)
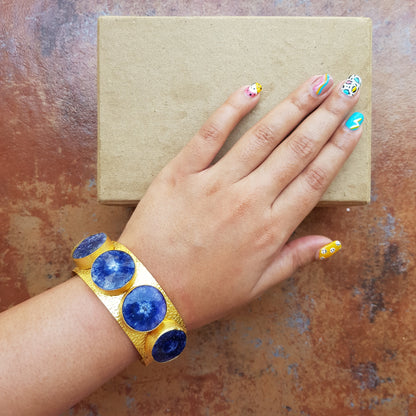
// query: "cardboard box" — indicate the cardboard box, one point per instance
point(159, 78)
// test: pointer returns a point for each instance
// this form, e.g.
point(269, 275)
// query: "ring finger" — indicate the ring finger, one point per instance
point(301, 196)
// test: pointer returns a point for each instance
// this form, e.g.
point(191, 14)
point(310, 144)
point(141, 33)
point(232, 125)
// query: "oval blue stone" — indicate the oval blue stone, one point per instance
point(144, 308)
point(169, 345)
point(112, 270)
point(89, 245)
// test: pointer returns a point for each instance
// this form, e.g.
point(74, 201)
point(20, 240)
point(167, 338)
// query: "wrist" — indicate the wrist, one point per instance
point(152, 259)
point(132, 295)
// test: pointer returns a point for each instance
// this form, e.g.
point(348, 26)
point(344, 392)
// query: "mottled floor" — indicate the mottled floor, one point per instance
point(336, 339)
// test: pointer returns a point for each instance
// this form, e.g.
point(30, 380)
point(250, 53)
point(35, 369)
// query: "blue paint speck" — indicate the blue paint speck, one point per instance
point(280, 352)
point(299, 321)
point(258, 342)
point(130, 402)
point(293, 369)
point(92, 183)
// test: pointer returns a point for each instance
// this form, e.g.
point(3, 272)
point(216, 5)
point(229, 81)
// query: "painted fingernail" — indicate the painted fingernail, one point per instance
point(322, 84)
point(351, 85)
point(329, 250)
point(355, 121)
point(253, 89)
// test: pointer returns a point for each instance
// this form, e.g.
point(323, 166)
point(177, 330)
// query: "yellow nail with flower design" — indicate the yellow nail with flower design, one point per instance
point(253, 89)
point(329, 250)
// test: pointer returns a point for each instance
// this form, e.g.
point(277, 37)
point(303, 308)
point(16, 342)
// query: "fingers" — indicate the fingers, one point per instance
point(295, 254)
point(304, 192)
point(257, 144)
point(304, 143)
point(200, 151)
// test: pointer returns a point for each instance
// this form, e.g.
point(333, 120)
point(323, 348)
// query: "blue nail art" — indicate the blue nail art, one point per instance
point(355, 121)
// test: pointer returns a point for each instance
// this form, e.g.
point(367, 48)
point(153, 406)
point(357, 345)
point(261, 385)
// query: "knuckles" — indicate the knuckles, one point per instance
point(264, 135)
point(302, 146)
point(300, 102)
point(209, 132)
point(316, 178)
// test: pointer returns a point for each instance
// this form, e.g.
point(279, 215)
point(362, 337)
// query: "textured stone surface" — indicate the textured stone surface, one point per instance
point(89, 245)
point(169, 345)
point(112, 270)
point(144, 308)
point(336, 339)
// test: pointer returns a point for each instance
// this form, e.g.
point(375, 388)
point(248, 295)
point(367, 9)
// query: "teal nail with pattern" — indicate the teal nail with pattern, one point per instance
point(351, 85)
point(355, 121)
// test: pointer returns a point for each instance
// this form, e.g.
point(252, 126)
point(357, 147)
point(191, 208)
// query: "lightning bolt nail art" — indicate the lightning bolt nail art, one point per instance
point(355, 121)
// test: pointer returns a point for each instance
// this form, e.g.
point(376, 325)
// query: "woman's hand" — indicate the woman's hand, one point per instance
point(215, 236)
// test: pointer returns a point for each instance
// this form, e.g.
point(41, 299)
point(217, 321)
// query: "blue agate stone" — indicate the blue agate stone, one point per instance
point(89, 245)
point(144, 308)
point(112, 270)
point(169, 345)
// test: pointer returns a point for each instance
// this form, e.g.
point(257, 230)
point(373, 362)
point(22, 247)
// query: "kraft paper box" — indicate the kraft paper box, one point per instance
point(159, 78)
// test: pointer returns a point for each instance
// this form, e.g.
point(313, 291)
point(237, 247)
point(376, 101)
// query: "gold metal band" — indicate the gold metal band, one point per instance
point(144, 341)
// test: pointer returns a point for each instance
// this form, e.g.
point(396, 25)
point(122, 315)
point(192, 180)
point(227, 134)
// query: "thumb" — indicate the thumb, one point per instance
point(295, 254)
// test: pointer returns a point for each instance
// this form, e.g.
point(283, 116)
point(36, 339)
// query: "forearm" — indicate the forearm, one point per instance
point(57, 348)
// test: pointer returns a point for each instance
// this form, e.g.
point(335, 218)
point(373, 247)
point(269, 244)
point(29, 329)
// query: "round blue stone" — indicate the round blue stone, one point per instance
point(169, 345)
point(144, 308)
point(112, 270)
point(89, 245)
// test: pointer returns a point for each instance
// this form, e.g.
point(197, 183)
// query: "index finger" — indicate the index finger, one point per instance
point(201, 150)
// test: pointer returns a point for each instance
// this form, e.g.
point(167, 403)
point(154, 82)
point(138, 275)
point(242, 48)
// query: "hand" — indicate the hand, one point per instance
point(215, 236)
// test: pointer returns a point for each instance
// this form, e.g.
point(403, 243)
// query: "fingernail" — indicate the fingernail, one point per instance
point(329, 250)
point(253, 89)
point(351, 85)
point(355, 121)
point(322, 84)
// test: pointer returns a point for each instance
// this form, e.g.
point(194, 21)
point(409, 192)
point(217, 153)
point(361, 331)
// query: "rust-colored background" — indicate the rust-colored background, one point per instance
point(335, 339)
